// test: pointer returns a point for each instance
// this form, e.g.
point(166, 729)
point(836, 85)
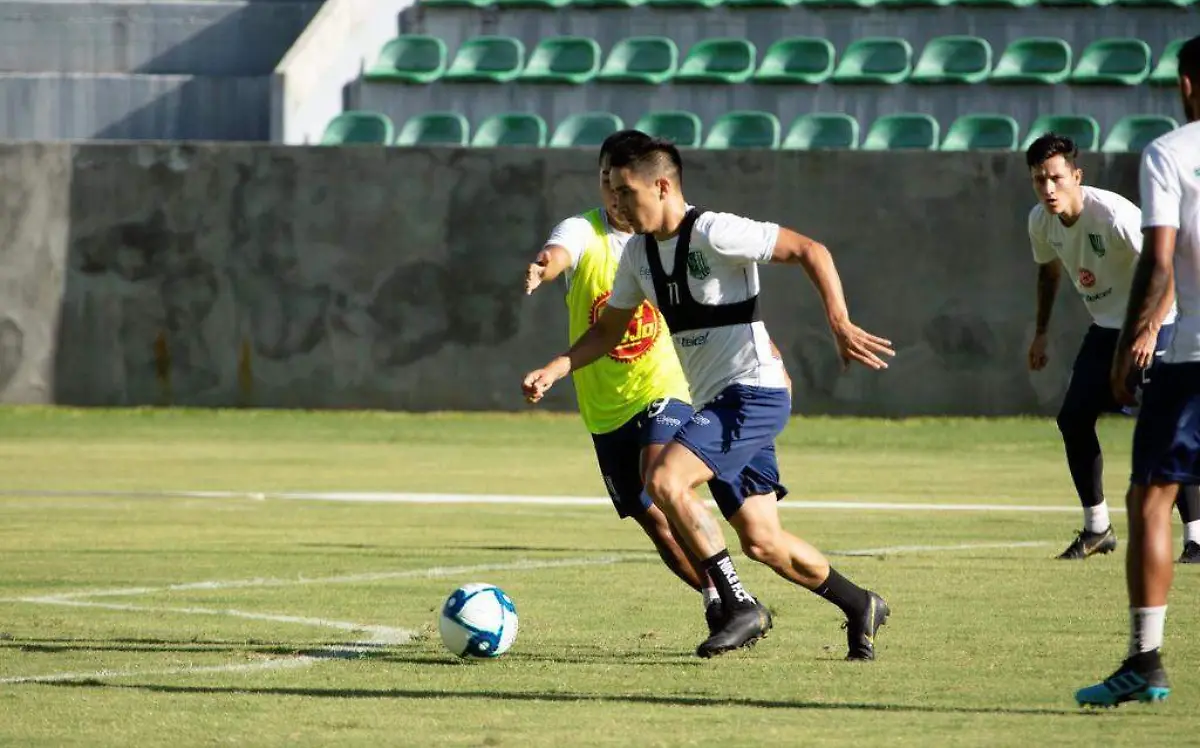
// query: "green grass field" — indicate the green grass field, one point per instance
point(133, 618)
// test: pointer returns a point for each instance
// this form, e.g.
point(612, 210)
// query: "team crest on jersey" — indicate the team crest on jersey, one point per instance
point(1097, 243)
point(640, 335)
point(698, 266)
point(1087, 278)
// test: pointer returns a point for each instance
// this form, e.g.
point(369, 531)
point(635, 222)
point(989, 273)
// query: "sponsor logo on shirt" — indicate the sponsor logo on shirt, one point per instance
point(1087, 278)
point(639, 336)
point(694, 341)
point(644, 271)
point(1097, 243)
point(698, 266)
point(1097, 296)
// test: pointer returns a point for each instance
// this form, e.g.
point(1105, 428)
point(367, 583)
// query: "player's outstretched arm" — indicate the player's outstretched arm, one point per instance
point(597, 341)
point(1047, 289)
point(548, 265)
point(853, 343)
point(1153, 283)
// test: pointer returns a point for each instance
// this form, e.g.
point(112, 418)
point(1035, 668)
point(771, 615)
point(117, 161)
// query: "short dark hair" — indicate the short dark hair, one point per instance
point(1189, 60)
point(616, 139)
point(1048, 146)
point(647, 156)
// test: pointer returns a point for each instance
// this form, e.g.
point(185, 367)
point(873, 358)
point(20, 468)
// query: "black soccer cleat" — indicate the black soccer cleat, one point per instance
point(860, 629)
point(1191, 553)
point(1140, 678)
point(714, 616)
point(1089, 543)
point(742, 628)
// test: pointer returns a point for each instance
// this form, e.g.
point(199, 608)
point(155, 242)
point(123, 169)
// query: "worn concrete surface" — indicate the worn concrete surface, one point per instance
point(212, 274)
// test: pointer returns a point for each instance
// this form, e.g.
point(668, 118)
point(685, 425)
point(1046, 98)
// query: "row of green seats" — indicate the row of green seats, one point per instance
point(422, 59)
point(687, 4)
point(747, 129)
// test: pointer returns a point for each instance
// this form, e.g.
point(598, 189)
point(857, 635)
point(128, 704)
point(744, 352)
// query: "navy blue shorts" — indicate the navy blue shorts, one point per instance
point(1166, 440)
point(1089, 393)
point(619, 452)
point(735, 436)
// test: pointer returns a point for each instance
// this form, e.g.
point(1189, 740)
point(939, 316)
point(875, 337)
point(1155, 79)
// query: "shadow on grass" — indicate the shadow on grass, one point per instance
point(575, 698)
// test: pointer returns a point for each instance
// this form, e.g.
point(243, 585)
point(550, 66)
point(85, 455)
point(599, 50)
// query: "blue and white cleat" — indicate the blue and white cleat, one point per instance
point(1140, 678)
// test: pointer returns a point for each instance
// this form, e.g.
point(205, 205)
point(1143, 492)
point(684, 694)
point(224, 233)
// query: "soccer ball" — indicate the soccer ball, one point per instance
point(478, 621)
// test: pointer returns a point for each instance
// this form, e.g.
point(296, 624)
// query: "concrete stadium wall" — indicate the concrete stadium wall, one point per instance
point(363, 277)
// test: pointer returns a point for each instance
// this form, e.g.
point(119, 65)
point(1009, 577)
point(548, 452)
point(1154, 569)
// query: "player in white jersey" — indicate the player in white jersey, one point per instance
point(700, 269)
point(1096, 237)
point(1166, 440)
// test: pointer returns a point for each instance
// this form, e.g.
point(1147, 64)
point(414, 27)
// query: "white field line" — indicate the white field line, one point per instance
point(277, 663)
point(890, 550)
point(439, 498)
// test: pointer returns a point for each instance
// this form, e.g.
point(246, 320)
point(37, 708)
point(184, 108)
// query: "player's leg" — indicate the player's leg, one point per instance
point(1188, 504)
point(763, 538)
point(1088, 395)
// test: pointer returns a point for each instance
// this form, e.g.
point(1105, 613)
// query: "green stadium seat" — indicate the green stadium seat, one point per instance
point(1133, 133)
point(681, 128)
point(1114, 62)
point(839, 3)
point(543, 4)
point(641, 59)
point(821, 131)
point(435, 128)
point(799, 59)
point(953, 59)
point(760, 3)
point(1152, 3)
point(875, 59)
point(744, 129)
point(455, 3)
point(1076, 3)
point(717, 61)
point(412, 58)
point(357, 127)
point(1166, 72)
point(511, 129)
point(1084, 130)
point(683, 4)
point(487, 59)
point(975, 132)
point(563, 59)
point(997, 3)
point(588, 129)
point(1035, 59)
point(894, 132)
point(915, 3)
point(606, 3)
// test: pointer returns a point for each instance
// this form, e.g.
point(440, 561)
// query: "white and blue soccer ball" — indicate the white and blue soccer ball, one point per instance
point(478, 621)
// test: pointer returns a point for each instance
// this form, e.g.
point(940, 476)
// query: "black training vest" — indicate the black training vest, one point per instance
point(679, 309)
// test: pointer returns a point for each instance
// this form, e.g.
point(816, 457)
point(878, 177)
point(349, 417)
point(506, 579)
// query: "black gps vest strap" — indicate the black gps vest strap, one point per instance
point(681, 311)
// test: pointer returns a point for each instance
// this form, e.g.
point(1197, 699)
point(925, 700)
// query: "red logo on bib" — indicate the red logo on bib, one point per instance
point(1086, 278)
point(639, 337)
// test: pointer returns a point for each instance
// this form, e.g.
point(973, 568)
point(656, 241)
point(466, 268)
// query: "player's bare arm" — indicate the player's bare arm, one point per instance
point(599, 339)
point(853, 342)
point(1153, 285)
point(1146, 341)
point(548, 265)
point(1047, 289)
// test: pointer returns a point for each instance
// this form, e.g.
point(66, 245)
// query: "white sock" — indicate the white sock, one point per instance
point(1095, 518)
point(1191, 532)
point(711, 595)
point(1146, 629)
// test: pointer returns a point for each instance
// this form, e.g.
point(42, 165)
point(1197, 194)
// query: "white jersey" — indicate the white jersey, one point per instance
point(574, 234)
point(1169, 179)
point(726, 248)
point(1099, 251)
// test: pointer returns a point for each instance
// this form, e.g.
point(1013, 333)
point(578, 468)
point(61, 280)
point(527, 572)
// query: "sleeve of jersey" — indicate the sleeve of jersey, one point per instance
point(1042, 251)
point(1158, 181)
point(627, 292)
point(1127, 224)
point(738, 237)
point(573, 235)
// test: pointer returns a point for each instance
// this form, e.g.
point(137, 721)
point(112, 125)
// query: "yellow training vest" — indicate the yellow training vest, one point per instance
point(642, 368)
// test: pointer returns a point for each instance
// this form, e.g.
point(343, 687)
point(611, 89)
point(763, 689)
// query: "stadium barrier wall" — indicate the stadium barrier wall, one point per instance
point(365, 277)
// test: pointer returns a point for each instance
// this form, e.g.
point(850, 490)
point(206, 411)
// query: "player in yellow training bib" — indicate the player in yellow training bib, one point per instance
point(636, 398)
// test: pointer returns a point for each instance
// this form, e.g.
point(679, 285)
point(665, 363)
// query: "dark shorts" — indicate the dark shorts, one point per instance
point(1166, 440)
point(1089, 392)
point(619, 452)
point(735, 436)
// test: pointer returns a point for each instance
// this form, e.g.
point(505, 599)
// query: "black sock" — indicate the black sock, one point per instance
point(720, 570)
point(1188, 503)
point(843, 593)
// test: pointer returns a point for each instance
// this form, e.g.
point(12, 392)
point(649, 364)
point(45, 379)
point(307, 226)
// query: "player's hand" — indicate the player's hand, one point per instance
point(1143, 348)
point(537, 382)
point(1118, 379)
point(536, 271)
point(856, 344)
point(1037, 352)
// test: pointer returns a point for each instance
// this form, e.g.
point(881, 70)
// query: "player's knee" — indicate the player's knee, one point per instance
point(665, 488)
